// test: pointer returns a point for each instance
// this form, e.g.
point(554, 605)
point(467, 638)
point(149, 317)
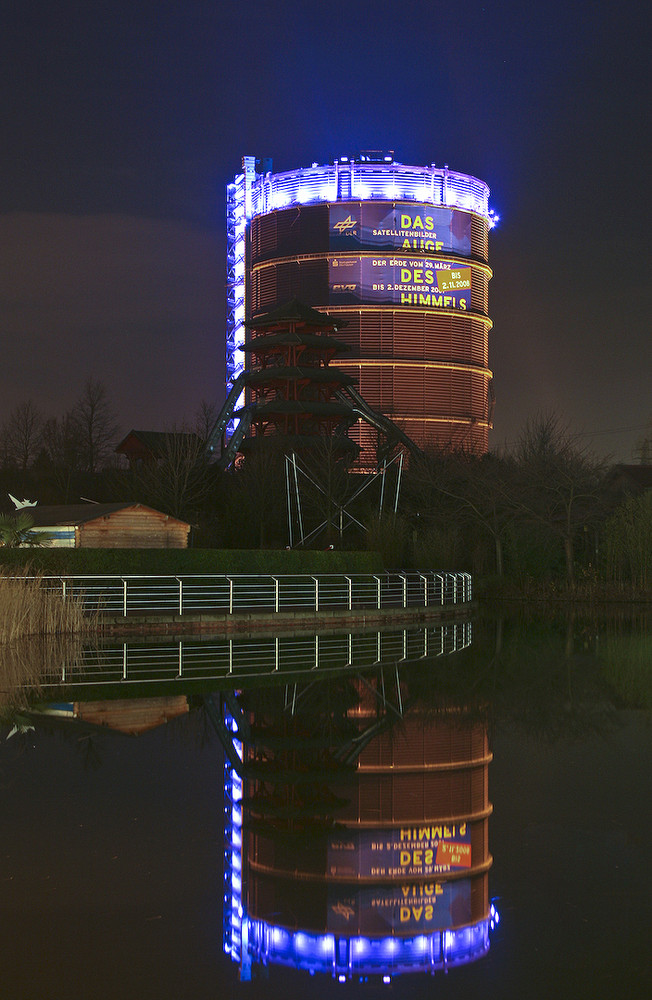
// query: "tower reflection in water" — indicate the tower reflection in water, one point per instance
point(356, 828)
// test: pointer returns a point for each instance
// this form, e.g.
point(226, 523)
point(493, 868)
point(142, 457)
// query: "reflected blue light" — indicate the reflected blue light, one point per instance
point(328, 944)
point(248, 940)
point(273, 945)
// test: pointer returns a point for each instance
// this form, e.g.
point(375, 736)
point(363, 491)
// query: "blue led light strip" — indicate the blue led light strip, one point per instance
point(251, 194)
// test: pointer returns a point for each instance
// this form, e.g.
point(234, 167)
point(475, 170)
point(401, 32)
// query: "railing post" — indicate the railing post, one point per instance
point(124, 597)
point(316, 579)
point(230, 595)
point(180, 595)
point(350, 592)
point(404, 590)
point(276, 652)
point(124, 661)
point(180, 658)
point(277, 594)
point(377, 579)
point(63, 590)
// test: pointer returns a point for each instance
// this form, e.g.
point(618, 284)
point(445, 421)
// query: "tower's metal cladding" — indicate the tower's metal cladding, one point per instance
point(399, 252)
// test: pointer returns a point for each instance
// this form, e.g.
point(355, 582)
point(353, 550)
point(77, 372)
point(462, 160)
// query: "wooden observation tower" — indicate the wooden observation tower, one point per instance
point(291, 390)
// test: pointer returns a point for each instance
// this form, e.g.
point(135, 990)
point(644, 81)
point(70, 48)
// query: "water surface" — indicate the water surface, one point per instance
point(112, 847)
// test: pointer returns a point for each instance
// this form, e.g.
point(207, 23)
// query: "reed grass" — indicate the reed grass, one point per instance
point(27, 609)
point(39, 632)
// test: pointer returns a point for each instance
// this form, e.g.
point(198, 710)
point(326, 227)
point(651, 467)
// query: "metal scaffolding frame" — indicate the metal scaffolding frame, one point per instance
point(341, 517)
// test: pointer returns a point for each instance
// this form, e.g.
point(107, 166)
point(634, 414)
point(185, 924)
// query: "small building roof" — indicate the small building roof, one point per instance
point(158, 442)
point(630, 478)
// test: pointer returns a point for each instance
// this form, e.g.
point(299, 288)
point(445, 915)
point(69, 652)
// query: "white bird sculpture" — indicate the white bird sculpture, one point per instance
point(20, 504)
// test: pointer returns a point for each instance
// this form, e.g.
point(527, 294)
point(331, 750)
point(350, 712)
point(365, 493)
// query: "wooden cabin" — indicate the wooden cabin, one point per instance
point(109, 526)
point(132, 716)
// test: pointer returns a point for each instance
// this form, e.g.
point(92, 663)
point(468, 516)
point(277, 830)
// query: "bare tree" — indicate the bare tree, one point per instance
point(96, 424)
point(628, 542)
point(180, 479)
point(62, 441)
point(63, 450)
point(205, 417)
point(558, 482)
point(22, 435)
point(257, 498)
point(475, 491)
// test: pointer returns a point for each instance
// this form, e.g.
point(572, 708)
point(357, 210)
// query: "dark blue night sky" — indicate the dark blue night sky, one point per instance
point(123, 122)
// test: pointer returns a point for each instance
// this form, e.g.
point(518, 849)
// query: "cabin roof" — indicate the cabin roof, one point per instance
point(80, 513)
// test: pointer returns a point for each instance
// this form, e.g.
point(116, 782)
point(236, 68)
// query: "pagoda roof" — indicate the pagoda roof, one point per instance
point(312, 407)
point(289, 337)
point(294, 311)
point(324, 374)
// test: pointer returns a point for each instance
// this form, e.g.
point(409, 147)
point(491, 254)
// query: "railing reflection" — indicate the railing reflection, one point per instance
point(219, 657)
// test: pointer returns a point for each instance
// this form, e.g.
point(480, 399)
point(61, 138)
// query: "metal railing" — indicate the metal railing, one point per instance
point(223, 657)
point(265, 594)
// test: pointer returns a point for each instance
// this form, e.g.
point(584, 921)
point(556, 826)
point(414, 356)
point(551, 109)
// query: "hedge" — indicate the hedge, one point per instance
point(183, 562)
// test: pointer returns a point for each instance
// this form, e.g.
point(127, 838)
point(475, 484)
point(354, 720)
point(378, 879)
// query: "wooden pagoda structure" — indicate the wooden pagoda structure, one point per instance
point(291, 389)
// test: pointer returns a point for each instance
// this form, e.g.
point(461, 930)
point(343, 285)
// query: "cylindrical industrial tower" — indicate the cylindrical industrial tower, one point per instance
point(401, 254)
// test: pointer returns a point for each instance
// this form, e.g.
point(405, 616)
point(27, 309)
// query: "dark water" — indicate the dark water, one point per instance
point(111, 847)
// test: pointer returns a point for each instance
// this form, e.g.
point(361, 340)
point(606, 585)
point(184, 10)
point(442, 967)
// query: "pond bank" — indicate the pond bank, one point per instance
point(256, 621)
